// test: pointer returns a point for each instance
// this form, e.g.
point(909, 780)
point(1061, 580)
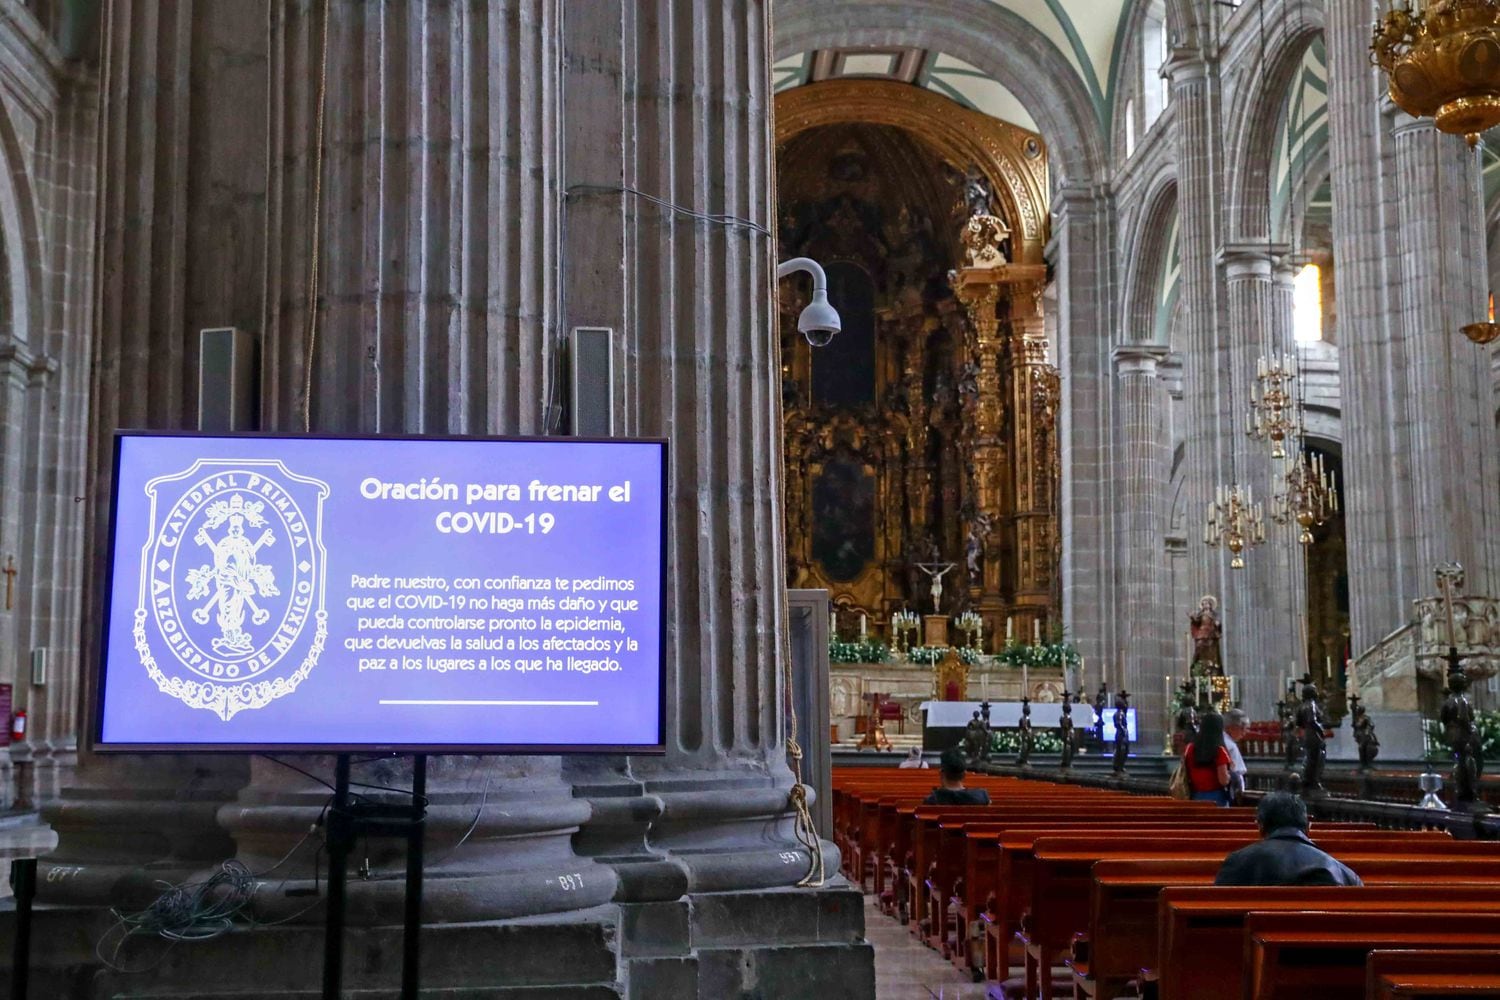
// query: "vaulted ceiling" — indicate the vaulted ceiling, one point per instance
point(1087, 33)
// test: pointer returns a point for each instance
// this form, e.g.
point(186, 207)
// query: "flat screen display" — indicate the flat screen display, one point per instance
point(342, 594)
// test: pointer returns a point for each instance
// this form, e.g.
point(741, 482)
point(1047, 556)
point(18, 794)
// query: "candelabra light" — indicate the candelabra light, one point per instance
point(1306, 493)
point(1275, 403)
point(971, 624)
point(1235, 522)
point(903, 623)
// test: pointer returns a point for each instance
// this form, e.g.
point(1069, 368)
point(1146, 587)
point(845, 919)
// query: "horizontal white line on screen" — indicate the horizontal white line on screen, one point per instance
point(448, 701)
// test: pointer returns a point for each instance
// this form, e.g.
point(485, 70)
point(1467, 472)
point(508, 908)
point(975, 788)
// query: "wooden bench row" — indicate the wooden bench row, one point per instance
point(1120, 886)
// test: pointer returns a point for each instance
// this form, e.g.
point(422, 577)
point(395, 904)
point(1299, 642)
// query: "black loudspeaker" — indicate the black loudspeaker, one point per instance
point(591, 388)
point(228, 380)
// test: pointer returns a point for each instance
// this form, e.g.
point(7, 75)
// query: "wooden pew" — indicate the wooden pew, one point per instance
point(1432, 975)
point(1298, 955)
point(1123, 916)
point(977, 900)
point(1200, 953)
point(1063, 875)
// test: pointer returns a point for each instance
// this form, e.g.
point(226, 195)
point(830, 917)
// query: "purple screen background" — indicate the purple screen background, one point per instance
point(336, 704)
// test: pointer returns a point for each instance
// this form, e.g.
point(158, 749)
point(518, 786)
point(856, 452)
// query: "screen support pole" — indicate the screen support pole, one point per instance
point(411, 939)
point(340, 839)
point(346, 822)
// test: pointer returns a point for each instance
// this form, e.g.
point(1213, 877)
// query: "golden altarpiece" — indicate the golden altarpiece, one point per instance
point(925, 434)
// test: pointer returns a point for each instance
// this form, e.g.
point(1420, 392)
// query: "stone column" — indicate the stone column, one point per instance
point(1144, 464)
point(1383, 571)
point(1447, 391)
point(666, 235)
point(436, 226)
point(1206, 361)
point(1262, 625)
point(1091, 609)
point(127, 823)
point(50, 591)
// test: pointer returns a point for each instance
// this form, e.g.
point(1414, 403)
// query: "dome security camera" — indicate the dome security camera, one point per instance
point(819, 321)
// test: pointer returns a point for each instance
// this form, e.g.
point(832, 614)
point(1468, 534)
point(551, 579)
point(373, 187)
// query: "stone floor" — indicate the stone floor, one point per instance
point(906, 969)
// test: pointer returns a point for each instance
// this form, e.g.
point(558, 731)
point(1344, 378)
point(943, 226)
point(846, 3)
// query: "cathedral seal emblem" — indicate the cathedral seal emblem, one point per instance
point(231, 613)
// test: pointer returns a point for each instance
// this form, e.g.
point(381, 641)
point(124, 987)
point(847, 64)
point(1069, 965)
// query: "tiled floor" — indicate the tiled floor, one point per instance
point(906, 969)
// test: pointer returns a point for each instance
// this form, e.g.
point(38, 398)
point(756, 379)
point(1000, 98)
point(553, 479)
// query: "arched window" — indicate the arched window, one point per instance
point(1307, 305)
point(1154, 47)
point(1130, 128)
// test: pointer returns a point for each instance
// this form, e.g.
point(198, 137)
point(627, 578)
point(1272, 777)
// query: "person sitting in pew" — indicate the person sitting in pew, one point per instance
point(1285, 854)
point(952, 791)
point(1208, 761)
point(913, 761)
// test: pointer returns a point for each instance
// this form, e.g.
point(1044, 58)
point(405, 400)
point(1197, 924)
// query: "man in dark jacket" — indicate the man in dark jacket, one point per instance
point(952, 791)
point(1285, 855)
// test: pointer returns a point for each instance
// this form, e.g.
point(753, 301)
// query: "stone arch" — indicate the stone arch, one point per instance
point(20, 244)
point(1146, 256)
point(1257, 112)
point(998, 41)
point(958, 135)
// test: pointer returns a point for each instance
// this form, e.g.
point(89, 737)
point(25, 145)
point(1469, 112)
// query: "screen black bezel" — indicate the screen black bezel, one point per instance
point(100, 687)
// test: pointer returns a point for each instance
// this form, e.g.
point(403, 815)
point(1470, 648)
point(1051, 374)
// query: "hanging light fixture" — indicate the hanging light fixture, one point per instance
point(1443, 60)
point(1275, 402)
point(1306, 493)
point(1235, 522)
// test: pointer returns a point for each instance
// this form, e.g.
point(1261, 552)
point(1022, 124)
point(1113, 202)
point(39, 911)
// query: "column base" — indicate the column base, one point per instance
point(772, 943)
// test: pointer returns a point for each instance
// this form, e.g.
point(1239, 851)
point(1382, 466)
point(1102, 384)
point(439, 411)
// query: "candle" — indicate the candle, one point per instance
point(1025, 680)
point(1036, 632)
point(984, 685)
point(833, 624)
point(1010, 630)
point(862, 624)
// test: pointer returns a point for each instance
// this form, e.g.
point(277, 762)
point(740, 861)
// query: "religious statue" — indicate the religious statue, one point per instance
point(1100, 700)
point(1364, 734)
point(979, 530)
point(1288, 716)
point(1122, 730)
point(1024, 758)
point(979, 196)
point(975, 738)
point(1462, 737)
point(1065, 729)
point(1310, 719)
point(1207, 630)
point(936, 571)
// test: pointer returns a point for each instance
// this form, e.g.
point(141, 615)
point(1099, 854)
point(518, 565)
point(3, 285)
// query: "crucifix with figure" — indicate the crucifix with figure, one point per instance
point(936, 571)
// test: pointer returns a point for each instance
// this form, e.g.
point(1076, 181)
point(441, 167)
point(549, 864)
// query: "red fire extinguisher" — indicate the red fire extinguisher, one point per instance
point(18, 725)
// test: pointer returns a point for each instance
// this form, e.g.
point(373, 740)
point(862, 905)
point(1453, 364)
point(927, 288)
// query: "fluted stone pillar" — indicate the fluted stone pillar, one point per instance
point(1207, 359)
point(1143, 468)
point(1383, 571)
point(1084, 263)
point(1264, 623)
point(667, 243)
point(1453, 457)
point(437, 230)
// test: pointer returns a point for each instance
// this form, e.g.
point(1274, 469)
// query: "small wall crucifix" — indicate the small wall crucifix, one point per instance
point(10, 582)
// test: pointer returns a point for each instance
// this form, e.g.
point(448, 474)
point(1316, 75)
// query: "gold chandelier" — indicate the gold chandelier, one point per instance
point(1275, 402)
point(1306, 494)
point(1443, 60)
point(1235, 522)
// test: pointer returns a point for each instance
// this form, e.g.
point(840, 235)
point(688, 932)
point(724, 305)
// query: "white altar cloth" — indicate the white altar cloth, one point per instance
point(1007, 715)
